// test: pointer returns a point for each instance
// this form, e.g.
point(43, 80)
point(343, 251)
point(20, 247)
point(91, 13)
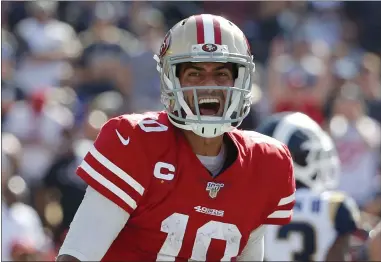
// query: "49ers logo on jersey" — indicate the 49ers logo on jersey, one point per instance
point(213, 188)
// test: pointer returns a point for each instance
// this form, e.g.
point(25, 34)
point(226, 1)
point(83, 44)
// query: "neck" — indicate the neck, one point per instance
point(204, 146)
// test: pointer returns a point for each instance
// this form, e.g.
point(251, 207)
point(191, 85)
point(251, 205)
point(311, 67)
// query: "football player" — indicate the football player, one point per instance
point(323, 220)
point(185, 184)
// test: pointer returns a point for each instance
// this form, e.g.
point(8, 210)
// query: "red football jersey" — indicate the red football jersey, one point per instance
point(178, 210)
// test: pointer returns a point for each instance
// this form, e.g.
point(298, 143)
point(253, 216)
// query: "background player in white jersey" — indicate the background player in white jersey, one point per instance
point(323, 220)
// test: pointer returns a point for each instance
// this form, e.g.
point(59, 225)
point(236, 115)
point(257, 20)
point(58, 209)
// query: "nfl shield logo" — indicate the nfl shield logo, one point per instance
point(213, 188)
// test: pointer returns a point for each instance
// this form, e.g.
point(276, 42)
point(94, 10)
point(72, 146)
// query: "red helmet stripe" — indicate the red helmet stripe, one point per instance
point(200, 29)
point(208, 29)
point(217, 31)
point(248, 45)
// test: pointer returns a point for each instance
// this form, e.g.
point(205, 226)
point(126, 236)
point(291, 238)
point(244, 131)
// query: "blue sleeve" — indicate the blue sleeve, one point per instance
point(346, 217)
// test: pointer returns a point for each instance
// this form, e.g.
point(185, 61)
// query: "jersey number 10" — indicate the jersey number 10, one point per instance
point(175, 226)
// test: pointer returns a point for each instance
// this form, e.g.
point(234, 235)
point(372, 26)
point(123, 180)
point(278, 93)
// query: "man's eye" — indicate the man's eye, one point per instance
point(223, 74)
point(194, 74)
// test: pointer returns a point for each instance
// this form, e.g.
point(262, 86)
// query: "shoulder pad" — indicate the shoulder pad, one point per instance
point(334, 199)
point(117, 165)
point(142, 123)
point(149, 122)
point(344, 212)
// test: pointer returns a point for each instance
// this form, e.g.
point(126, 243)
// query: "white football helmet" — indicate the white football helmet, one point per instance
point(205, 38)
point(316, 163)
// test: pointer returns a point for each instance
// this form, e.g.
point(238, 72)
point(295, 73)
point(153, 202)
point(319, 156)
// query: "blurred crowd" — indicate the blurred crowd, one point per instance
point(67, 67)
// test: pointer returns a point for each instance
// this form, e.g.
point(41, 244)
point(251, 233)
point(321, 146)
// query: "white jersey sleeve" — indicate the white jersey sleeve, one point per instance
point(97, 218)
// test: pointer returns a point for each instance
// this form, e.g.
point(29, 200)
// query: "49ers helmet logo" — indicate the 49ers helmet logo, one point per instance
point(165, 45)
point(209, 47)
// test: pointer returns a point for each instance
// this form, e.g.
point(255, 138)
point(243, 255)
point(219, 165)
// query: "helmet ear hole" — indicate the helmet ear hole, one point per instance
point(235, 71)
point(177, 71)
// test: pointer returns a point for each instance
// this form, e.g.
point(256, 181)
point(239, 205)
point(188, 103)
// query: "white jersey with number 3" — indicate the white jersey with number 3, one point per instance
point(317, 221)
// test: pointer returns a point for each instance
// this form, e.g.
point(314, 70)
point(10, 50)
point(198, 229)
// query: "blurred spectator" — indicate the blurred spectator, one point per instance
point(9, 91)
point(264, 21)
point(78, 14)
point(23, 237)
point(12, 12)
point(369, 77)
point(104, 65)
point(174, 11)
point(367, 16)
point(325, 23)
point(358, 139)
point(11, 230)
point(61, 191)
point(47, 46)
point(38, 123)
point(298, 80)
point(146, 82)
point(370, 80)
point(363, 70)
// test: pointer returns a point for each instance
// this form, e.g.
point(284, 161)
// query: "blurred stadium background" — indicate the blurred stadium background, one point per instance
point(67, 67)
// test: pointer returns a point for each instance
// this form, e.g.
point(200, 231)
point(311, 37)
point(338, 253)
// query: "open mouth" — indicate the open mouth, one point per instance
point(209, 106)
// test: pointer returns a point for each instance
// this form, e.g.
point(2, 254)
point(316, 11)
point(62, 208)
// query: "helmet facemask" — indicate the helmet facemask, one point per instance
point(237, 100)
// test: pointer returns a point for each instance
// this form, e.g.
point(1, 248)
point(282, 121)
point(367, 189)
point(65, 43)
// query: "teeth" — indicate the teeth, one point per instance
point(208, 100)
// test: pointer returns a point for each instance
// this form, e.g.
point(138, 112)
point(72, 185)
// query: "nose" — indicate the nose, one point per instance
point(210, 81)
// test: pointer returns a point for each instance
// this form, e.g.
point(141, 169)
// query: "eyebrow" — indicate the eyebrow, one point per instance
point(190, 66)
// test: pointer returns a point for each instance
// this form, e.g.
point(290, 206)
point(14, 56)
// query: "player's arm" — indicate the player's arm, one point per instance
point(95, 226)
point(282, 187)
point(114, 170)
point(345, 215)
point(254, 249)
point(114, 166)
